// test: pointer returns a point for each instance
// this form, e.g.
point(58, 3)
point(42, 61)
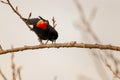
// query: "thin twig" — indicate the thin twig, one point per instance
point(92, 15)
point(17, 12)
point(83, 18)
point(3, 76)
point(19, 73)
point(1, 49)
point(54, 22)
point(63, 45)
point(116, 75)
point(30, 14)
point(13, 66)
point(55, 78)
point(3, 2)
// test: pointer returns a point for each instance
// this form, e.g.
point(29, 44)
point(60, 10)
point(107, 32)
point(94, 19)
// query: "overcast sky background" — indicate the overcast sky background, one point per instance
point(66, 63)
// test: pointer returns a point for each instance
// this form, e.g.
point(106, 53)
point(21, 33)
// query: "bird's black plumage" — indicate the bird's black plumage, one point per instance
point(45, 34)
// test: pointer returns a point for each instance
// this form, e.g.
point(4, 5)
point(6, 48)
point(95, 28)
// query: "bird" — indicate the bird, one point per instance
point(42, 28)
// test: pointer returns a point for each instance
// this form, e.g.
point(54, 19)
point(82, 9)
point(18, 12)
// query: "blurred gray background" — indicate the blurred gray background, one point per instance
point(65, 63)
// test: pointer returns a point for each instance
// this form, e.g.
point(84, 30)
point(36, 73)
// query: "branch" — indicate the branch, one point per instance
point(19, 73)
point(15, 10)
point(54, 22)
point(63, 45)
point(13, 67)
point(3, 75)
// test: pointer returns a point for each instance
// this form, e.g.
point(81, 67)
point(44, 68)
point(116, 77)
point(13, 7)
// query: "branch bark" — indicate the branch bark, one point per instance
point(63, 45)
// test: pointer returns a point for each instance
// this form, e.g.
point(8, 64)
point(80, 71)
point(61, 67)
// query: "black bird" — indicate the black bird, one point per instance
point(42, 28)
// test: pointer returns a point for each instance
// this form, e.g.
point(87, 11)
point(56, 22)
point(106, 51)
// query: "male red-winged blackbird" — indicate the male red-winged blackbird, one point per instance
point(42, 28)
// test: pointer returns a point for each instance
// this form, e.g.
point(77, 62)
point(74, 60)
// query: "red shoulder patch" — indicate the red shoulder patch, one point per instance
point(42, 24)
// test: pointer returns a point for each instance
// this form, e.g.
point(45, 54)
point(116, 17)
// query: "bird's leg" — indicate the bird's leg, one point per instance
point(40, 40)
point(46, 42)
point(54, 42)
